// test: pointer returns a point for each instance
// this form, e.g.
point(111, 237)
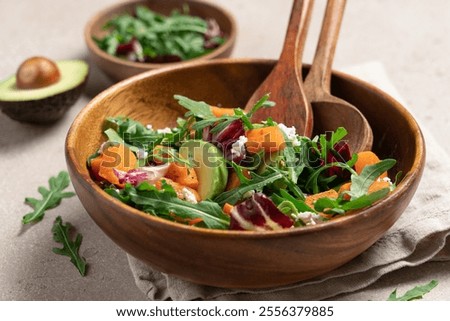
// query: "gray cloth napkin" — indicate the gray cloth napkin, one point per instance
point(420, 235)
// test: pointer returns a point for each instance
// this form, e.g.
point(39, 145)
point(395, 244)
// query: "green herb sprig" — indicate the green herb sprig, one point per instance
point(360, 197)
point(61, 234)
point(202, 111)
point(165, 203)
point(51, 197)
point(416, 293)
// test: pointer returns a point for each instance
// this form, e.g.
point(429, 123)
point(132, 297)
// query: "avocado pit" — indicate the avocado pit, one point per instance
point(42, 90)
point(37, 72)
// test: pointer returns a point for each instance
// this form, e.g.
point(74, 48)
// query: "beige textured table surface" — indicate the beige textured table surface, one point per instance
point(410, 37)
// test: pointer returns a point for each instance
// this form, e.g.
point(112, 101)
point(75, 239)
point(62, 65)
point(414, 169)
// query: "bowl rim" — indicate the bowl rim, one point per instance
point(92, 46)
point(408, 179)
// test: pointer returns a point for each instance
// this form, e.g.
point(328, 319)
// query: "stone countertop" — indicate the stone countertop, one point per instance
point(410, 38)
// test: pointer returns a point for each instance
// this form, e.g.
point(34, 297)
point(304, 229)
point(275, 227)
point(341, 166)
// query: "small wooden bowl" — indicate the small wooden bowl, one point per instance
point(236, 259)
point(118, 69)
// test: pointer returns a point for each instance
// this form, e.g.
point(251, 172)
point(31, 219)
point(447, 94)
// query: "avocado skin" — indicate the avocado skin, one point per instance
point(43, 111)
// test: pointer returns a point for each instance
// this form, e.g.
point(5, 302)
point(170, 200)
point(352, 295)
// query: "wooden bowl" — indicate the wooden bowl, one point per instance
point(237, 259)
point(118, 69)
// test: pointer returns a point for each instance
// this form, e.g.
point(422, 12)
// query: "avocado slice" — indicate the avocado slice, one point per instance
point(211, 168)
point(46, 104)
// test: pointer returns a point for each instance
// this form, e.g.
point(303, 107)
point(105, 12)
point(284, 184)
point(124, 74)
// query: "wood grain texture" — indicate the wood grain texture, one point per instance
point(118, 69)
point(329, 111)
point(236, 259)
point(285, 83)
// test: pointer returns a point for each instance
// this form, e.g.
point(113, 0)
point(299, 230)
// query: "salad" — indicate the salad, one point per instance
point(217, 169)
point(147, 36)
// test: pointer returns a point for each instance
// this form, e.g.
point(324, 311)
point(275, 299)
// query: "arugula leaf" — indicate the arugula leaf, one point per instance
point(414, 294)
point(359, 197)
point(127, 127)
point(123, 130)
point(263, 102)
point(300, 205)
point(361, 183)
point(287, 207)
point(199, 109)
point(239, 170)
point(365, 200)
point(291, 162)
point(337, 136)
point(166, 204)
point(255, 184)
point(340, 206)
point(329, 205)
point(70, 248)
point(312, 183)
point(50, 197)
point(114, 137)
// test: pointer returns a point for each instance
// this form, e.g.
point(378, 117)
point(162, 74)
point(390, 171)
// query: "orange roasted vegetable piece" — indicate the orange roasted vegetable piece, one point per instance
point(227, 208)
point(160, 154)
point(233, 179)
point(311, 199)
point(367, 158)
point(183, 175)
point(117, 157)
point(270, 139)
point(219, 112)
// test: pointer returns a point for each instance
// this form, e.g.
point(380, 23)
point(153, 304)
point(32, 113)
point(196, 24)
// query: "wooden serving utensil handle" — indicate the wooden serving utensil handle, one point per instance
point(284, 82)
point(294, 41)
point(318, 81)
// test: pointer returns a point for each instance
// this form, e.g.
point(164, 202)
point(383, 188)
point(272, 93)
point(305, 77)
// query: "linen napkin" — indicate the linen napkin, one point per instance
point(420, 235)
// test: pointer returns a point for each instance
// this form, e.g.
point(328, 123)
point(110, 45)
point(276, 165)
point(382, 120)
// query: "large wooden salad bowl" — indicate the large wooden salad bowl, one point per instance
point(235, 258)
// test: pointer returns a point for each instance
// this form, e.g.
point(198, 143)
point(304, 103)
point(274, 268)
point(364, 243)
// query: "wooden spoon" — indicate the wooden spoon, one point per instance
point(329, 111)
point(284, 83)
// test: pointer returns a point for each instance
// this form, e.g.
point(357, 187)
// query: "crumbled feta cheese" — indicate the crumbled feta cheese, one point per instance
point(384, 179)
point(166, 130)
point(290, 133)
point(238, 147)
point(149, 127)
point(189, 196)
point(142, 154)
point(308, 218)
point(387, 179)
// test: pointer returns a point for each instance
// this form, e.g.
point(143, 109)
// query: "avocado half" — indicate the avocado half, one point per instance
point(47, 104)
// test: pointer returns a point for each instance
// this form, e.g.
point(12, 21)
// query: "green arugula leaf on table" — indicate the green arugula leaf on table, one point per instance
point(414, 294)
point(165, 203)
point(61, 234)
point(50, 197)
